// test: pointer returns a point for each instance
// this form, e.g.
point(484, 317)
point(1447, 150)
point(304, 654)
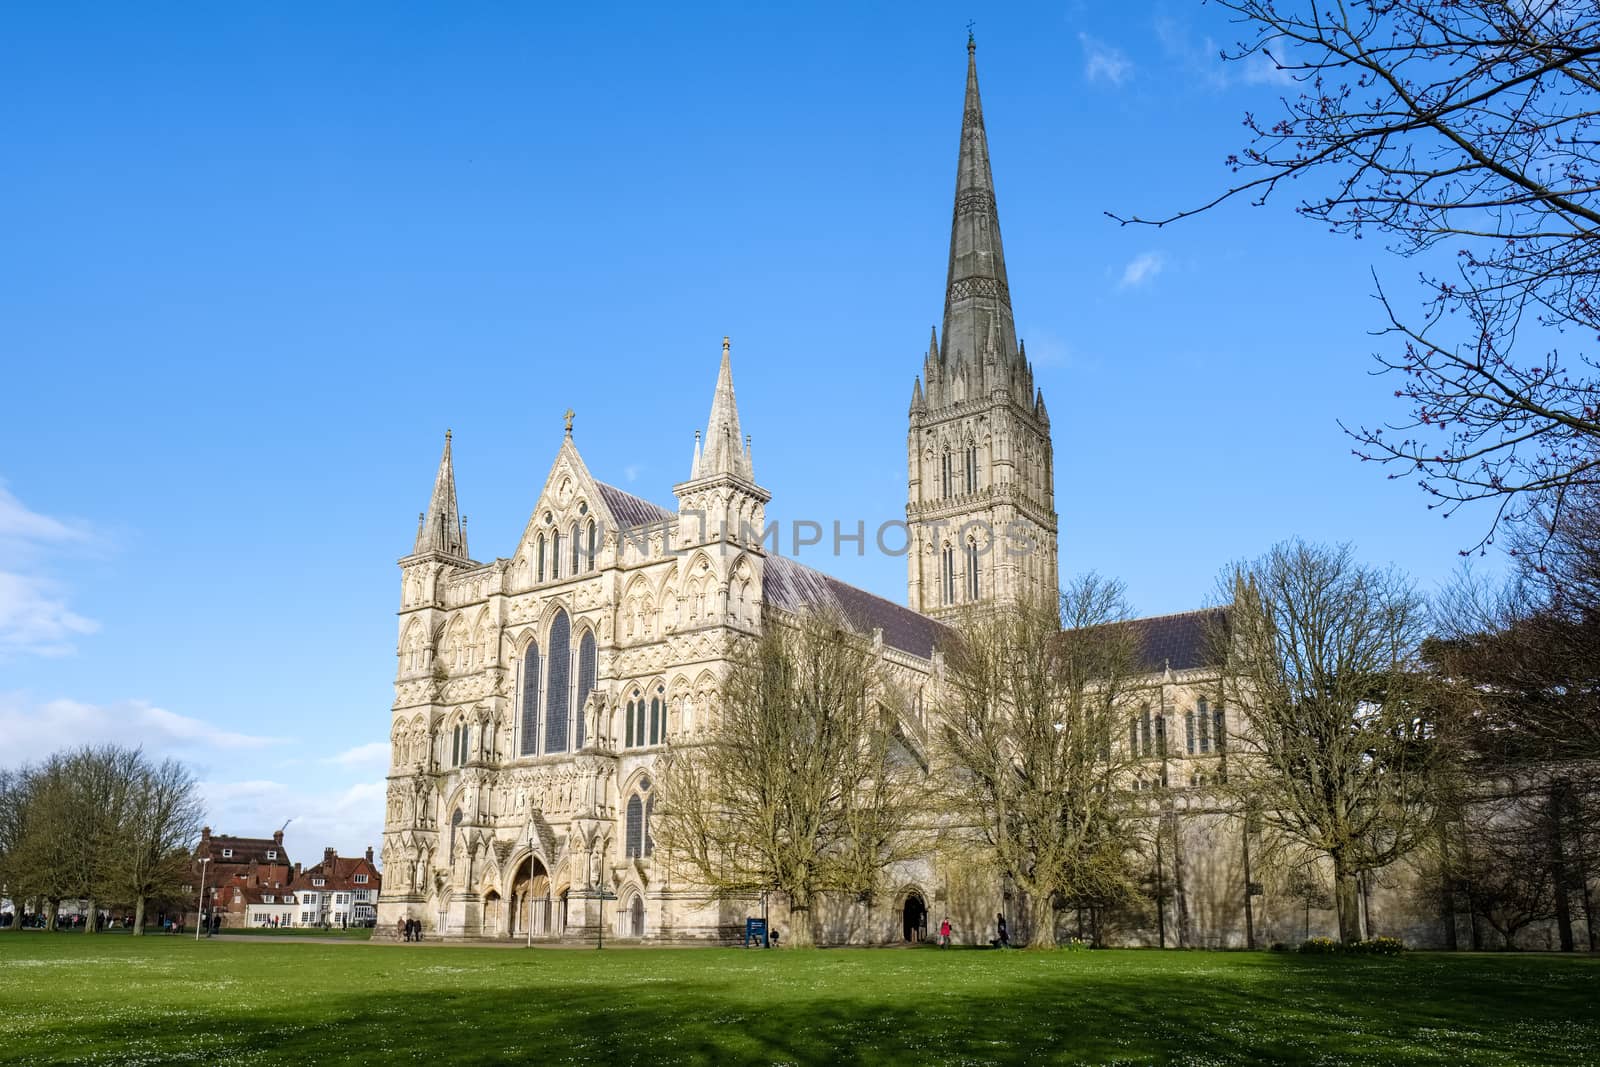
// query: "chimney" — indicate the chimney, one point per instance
point(328, 856)
point(205, 839)
point(369, 853)
point(297, 871)
point(277, 837)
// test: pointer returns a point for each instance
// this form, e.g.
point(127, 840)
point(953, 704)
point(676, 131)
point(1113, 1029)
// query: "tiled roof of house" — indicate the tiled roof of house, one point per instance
point(792, 586)
point(242, 849)
point(631, 511)
point(339, 872)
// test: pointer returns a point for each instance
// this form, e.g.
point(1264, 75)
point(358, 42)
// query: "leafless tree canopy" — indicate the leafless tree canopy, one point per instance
point(805, 785)
point(1339, 750)
point(1524, 657)
point(1466, 129)
point(1037, 700)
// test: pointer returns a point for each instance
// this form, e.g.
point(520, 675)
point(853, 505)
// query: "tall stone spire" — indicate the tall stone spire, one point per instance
point(977, 301)
point(441, 529)
point(980, 484)
point(725, 450)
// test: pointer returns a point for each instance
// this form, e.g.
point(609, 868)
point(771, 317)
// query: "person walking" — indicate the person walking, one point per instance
point(944, 934)
point(1003, 940)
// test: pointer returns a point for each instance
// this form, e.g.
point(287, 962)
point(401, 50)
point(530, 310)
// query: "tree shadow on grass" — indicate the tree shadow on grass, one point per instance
point(723, 1008)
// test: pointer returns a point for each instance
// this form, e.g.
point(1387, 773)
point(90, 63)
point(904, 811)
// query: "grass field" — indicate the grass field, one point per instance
point(75, 999)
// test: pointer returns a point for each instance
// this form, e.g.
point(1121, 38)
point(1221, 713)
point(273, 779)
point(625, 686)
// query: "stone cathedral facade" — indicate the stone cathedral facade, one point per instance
point(534, 693)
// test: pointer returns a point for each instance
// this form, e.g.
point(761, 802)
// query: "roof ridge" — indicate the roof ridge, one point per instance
point(1179, 614)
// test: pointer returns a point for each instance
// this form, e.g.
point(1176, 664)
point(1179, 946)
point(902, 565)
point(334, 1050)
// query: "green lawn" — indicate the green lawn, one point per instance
point(77, 999)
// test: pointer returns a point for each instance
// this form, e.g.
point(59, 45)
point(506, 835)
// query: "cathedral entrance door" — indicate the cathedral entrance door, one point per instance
point(530, 899)
point(914, 918)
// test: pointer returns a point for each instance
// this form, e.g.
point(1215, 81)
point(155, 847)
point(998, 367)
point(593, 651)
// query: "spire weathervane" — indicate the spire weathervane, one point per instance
point(972, 42)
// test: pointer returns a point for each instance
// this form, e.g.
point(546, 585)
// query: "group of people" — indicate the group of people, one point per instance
point(1002, 937)
point(410, 929)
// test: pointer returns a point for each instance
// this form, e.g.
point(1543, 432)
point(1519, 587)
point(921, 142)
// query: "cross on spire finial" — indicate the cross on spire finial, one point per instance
point(569, 417)
point(972, 42)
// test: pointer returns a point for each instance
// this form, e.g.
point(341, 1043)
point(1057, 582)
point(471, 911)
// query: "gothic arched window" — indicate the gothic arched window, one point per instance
point(635, 731)
point(972, 468)
point(949, 576)
point(945, 480)
point(594, 543)
point(1205, 726)
point(558, 694)
point(530, 700)
point(649, 811)
point(972, 568)
point(539, 557)
point(577, 549)
point(655, 717)
point(555, 554)
point(586, 678)
point(1188, 729)
point(1221, 724)
point(635, 829)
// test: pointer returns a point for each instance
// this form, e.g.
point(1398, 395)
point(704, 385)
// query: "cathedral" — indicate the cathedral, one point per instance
point(534, 693)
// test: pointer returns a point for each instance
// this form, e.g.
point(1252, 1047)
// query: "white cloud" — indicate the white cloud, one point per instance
point(34, 730)
point(20, 524)
point(1103, 62)
point(1142, 268)
point(348, 818)
point(1200, 58)
point(374, 754)
point(1260, 70)
point(34, 616)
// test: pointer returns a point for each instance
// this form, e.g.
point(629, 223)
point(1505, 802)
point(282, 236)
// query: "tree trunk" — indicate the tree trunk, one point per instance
point(1558, 868)
point(138, 916)
point(89, 919)
point(1041, 920)
point(801, 932)
point(1347, 899)
point(51, 909)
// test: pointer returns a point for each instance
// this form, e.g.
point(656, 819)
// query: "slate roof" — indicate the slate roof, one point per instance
point(631, 511)
point(792, 586)
point(1181, 642)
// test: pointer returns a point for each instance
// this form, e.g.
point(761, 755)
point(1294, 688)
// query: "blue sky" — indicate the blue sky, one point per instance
point(258, 257)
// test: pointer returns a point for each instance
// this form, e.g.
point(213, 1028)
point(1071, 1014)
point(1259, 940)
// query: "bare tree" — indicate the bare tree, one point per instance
point(1030, 739)
point(16, 789)
point(1340, 746)
point(151, 854)
point(1462, 131)
point(803, 785)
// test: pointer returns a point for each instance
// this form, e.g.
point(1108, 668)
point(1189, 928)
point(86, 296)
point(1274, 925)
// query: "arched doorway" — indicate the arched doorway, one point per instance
point(636, 917)
point(493, 920)
point(530, 899)
point(914, 918)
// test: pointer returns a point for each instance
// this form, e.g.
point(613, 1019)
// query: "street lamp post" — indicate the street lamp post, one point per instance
point(199, 910)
